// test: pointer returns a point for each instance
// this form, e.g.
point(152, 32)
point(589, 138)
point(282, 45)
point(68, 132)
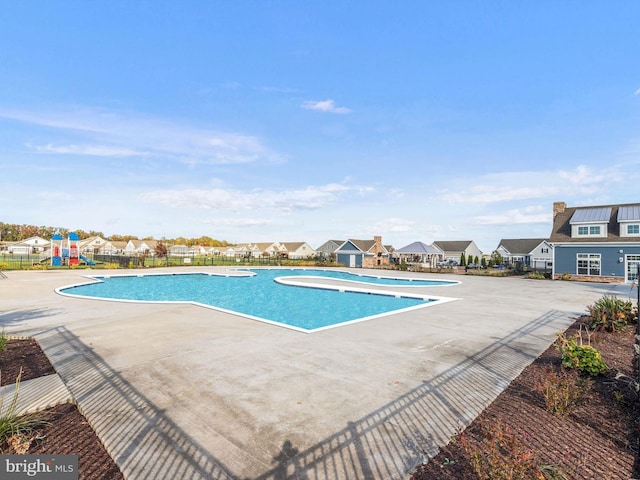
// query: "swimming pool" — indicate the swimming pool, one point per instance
point(271, 295)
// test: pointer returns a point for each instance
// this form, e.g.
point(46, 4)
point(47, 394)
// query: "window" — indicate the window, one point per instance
point(633, 229)
point(588, 230)
point(589, 264)
point(544, 250)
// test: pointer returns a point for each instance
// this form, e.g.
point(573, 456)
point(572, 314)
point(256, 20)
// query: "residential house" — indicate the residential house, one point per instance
point(298, 250)
point(363, 253)
point(453, 249)
point(115, 247)
point(328, 248)
point(91, 245)
point(179, 250)
point(600, 242)
point(267, 249)
point(140, 247)
point(31, 245)
point(418, 253)
point(536, 253)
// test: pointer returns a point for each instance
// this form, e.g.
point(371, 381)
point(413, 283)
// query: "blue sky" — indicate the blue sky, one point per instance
point(308, 121)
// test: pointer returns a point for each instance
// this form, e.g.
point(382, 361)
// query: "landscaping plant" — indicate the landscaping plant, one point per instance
point(500, 455)
point(610, 314)
point(585, 358)
point(561, 390)
point(12, 425)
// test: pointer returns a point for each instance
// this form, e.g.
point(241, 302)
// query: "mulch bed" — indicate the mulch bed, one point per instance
point(597, 439)
point(67, 431)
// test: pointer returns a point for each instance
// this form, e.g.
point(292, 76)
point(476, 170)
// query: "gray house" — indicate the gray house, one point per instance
point(599, 243)
point(452, 249)
point(328, 248)
point(532, 252)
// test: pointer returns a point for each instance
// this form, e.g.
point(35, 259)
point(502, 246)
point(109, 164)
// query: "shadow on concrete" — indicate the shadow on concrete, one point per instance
point(143, 442)
point(391, 441)
point(385, 444)
point(17, 316)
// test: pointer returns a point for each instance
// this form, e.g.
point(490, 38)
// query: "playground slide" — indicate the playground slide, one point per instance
point(86, 260)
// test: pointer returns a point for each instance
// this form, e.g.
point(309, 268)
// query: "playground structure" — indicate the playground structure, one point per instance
point(66, 251)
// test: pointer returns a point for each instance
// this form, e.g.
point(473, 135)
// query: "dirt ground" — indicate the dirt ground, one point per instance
point(66, 432)
point(597, 439)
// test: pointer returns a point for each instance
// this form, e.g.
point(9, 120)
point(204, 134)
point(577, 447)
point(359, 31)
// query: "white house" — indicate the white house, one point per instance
point(32, 245)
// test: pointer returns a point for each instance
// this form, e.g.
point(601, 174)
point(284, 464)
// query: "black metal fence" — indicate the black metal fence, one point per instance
point(36, 262)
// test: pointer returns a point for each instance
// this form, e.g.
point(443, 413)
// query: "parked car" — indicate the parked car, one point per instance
point(474, 265)
point(448, 263)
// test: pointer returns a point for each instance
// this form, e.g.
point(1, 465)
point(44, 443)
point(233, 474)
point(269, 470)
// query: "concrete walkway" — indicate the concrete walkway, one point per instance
point(179, 391)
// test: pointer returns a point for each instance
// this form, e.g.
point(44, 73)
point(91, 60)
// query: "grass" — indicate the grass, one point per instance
point(13, 426)
point(3, 339)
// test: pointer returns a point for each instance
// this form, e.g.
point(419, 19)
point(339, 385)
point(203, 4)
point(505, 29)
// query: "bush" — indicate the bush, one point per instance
point(501, 455)
point(536, 276)
point(610, 314)
point(560, 390)
point(583, 357)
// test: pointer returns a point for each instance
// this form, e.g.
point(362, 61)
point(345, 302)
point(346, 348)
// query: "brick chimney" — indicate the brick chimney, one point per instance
point(558, 207)
point(378, 242)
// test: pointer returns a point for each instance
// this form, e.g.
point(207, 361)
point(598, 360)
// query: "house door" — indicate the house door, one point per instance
point(632, 269)
point(352, 260)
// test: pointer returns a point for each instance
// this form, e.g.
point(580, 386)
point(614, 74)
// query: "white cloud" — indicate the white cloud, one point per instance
point(310, 197)
point(528, 185)
point(49, 196)
point(637, 92)
point(91, 150)
point(109, 133)
point(325, 106)
point(238, 222)
point(527, 215)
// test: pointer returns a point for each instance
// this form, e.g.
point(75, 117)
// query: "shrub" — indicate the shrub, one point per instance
point(560, 390)
point(565, 276)
point(610, 313)
point(536, 276)
point(500, 455)
point(585, 358)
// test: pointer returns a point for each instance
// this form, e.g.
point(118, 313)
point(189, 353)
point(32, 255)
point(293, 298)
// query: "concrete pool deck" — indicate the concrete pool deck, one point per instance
point(180, 391)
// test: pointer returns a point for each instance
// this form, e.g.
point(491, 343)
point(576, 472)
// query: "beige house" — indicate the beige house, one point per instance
point(298, 250)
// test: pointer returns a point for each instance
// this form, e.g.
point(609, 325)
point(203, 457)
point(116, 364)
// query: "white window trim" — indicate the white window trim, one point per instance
point(575, 230)
point(589, 258)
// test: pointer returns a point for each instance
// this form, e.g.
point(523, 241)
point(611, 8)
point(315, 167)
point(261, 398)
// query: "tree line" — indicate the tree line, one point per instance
point(11, 232)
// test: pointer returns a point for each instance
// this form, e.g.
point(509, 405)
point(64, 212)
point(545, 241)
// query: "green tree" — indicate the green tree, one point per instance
point(463, 260)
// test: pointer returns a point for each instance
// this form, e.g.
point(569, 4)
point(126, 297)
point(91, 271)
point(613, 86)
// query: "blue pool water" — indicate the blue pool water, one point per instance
point(257, 295)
